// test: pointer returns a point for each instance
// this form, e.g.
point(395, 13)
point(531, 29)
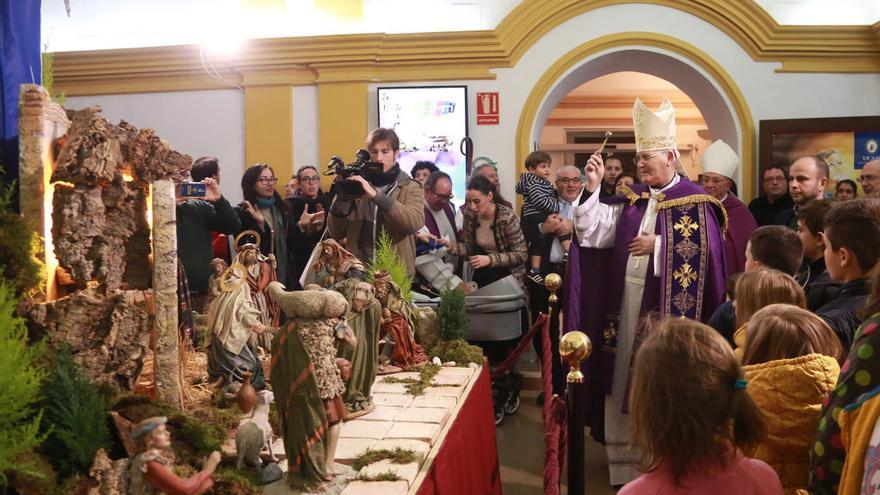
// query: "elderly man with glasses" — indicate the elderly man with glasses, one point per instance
point(870, 178)
point(442, 221)
point(658, 248)
point(560, 226)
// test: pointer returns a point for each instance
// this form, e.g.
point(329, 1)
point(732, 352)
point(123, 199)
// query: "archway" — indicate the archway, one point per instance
point(708, 85)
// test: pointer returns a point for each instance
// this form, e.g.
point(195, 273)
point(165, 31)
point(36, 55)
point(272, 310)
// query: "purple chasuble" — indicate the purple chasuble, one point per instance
point(740, 225)
point(691, 282)
point(431, 222)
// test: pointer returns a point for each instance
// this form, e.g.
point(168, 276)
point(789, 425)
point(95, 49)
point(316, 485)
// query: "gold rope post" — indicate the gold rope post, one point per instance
point(575, 347)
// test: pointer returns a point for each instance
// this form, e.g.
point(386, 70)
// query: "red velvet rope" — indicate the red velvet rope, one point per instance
point(514, 356)
point(554, 411)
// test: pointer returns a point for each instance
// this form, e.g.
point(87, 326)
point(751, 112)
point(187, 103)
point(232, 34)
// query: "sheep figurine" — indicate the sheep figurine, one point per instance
point(256, 433)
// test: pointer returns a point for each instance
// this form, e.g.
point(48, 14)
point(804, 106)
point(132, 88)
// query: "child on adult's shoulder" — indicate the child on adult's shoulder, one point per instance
point(692, 417)
point(791, 363)
point(539, 201)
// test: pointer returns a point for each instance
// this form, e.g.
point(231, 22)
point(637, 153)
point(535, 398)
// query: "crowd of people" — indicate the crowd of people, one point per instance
point(734, 343)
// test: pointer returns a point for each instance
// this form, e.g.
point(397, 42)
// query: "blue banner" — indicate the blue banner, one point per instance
point(867, 148)
point(20, 50)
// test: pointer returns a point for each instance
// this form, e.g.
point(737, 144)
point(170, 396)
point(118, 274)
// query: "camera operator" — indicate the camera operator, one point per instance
point(391, 201)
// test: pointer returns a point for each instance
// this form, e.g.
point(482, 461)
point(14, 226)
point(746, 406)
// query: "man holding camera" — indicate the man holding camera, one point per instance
point(391, 201)
point(197, 217)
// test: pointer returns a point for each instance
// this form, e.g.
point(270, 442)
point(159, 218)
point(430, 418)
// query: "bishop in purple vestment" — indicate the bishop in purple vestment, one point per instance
point(720, 164)
point(655, 249)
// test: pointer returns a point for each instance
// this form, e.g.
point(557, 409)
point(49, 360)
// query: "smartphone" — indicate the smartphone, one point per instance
point(193, 190)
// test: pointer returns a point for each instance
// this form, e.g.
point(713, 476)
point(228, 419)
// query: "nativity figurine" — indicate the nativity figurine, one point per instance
point(151, 471)
point(218, 267)
point(335, 263)
point(308, 383)
point(397, 328)
point(364, 316)
point(237, 318)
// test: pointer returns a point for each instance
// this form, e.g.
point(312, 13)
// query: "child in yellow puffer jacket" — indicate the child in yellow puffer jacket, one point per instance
point(791, 363)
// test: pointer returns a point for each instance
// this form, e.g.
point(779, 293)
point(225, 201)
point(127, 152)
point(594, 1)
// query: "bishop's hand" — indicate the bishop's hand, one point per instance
point(595, 171)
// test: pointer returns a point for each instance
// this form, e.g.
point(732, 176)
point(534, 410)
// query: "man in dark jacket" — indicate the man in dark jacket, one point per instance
point(391, 201)
point(775, 199)
point(852, 234)
point(807, 179)
point(196, 219)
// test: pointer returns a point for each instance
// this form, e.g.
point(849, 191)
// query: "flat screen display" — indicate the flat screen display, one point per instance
point(430, 121)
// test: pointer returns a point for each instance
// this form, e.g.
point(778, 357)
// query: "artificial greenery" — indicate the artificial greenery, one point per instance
point(229, 481)
point(396, 456)
point(386, 259)
point(388, 475)
point(451, 316)
point(48, 60)
point(18, 246)
point(75, 417)
point(20, 380)
point(417, 387)
point(42, 479)
point(459, 351)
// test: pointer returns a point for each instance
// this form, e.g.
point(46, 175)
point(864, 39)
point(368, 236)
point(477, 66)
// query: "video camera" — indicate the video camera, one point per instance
point(362, 165)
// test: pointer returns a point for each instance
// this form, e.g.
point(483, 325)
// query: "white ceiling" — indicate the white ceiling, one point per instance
point(222, 24)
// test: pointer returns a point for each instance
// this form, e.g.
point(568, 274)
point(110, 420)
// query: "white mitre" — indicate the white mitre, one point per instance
point(654, 130)
point(719, 158)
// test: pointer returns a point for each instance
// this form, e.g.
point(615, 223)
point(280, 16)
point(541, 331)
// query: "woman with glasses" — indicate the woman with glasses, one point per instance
point(307, 207)
point(264, 212)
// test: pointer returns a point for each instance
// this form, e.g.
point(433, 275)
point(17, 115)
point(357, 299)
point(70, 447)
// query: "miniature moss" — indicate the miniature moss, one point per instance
point(417, 387)
point(384, 476)
point(230, 481)
point(203, 437)
point(396, 456)
point(459, 351)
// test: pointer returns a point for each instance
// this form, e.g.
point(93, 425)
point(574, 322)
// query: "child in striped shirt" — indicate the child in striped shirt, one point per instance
point(539, 201)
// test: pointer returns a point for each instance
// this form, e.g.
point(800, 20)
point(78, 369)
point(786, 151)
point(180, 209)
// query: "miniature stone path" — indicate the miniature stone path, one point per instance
point(416, 423)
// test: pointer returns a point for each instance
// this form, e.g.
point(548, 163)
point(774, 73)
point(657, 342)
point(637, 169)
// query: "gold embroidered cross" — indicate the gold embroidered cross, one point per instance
point(686, 226)
point(685, 275)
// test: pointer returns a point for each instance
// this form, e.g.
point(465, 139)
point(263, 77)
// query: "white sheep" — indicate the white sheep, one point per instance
point(256, 433)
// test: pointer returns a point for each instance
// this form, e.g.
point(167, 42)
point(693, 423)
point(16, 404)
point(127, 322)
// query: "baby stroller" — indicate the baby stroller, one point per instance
point(494, 322)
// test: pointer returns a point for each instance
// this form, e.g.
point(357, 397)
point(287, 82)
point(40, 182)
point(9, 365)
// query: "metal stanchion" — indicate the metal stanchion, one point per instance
point(575, 347)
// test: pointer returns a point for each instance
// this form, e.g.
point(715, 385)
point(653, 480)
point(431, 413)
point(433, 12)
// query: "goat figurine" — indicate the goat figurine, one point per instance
point(256, 433)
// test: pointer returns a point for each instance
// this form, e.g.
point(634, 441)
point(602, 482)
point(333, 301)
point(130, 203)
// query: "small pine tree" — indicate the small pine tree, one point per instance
point(451, 317)
point(75, 416)
point(20, 380)
point(18, 246)
point(385, 258)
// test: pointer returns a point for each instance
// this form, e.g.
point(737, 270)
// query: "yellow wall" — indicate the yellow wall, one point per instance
point(342, 121)
point(268, 116)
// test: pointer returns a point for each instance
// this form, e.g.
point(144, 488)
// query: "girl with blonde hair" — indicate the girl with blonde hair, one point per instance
point(760, 288)
point(791, 362)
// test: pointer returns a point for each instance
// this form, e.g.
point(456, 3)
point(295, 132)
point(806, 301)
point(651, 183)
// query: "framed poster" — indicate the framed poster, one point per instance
point(430, 121)
point(845, 143)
